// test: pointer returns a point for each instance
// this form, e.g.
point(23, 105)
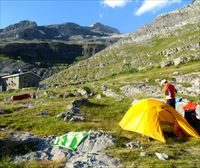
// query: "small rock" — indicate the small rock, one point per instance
point(2, 111)
point(68, 95)
point(98, 97)
point(179, 60)
point(142, 154)
point(82, 91)
point(104, 88)
point(110, 93)
point(162, 156)
point(80, 101)
point(43, 113)
point(165, 64)
point(58, 153)
point(61, 115)
point(73, 108)
point(175, 73)
point(132, 144)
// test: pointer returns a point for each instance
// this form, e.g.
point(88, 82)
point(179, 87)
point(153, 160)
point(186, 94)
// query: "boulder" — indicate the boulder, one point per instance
point(82, 91)
point(110, 93)
point(166, 64)
point(59, 153)
point(134, 89)
point(80, 101)
point(179, 60)
point(162, 156)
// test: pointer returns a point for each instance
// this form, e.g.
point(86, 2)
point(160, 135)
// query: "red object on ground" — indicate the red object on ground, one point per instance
point(21, 97)
point(190, 106)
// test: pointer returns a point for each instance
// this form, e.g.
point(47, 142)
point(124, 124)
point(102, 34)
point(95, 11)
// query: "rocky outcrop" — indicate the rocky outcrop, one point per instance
point(135, 89)
point(188, 84)
point(111, 93)
point(164, 24)
point(42, 57)
point(27, 147)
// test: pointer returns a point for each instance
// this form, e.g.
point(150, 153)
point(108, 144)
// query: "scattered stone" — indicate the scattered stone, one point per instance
point(99, 160)
point(73, 108)
point(193, 81)
point(80, 101)
point(179, 60)
point(44, 113)
point(2, 111)
point(66, 95)
point(99, 97)
point(162, 156)
point(82, 91)
point(86, 91)
point(61, 115)
point(72, 114)
point(165, 64)
point(88, 154)
point(133, 144)
point(175, 73)
point(142, 154)
point(112, 94)
point(104, 88)
point(134, 89)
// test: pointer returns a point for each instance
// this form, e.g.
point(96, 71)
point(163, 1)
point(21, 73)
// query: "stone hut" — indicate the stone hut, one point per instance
point(20, 80)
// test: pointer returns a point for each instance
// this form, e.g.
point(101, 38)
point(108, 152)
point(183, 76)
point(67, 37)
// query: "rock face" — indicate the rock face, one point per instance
point(134, 89)
point(30, 30)
point(188, 84)
point(164, 23)
point(53, 50)
point(41, 57)
point(88, 154)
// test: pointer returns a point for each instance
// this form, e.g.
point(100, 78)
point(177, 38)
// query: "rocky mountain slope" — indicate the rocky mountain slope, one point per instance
point(29, 30)
point(171, 39)
point(46, 50)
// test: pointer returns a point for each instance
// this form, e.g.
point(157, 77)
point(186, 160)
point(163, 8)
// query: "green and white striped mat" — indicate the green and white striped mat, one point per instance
point(71, 140)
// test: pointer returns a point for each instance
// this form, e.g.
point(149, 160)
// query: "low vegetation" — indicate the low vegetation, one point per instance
point(101, 114)
point(131, 56)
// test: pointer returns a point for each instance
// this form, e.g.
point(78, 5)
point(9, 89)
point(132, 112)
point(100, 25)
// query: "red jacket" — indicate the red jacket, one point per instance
point(169, 91)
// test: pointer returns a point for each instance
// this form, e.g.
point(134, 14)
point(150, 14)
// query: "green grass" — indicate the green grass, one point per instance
point(130, 57)
point(103, 114)
point(106, 113)
point(6, 163)
point(179, 151)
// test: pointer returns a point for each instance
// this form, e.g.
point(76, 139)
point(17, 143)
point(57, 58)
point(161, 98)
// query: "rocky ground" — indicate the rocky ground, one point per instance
point(90, 153)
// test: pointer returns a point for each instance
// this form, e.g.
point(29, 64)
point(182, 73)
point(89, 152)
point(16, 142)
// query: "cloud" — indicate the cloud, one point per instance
point(154, 5)
point(115, 3)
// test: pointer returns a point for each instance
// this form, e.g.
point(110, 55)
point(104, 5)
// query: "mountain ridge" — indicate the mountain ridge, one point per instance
point(29, 30)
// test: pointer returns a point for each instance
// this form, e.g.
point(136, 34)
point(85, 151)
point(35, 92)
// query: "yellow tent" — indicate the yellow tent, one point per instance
point(149, 117)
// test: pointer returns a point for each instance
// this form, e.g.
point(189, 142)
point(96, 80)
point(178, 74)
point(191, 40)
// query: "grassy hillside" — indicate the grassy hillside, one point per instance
point(129, 56)
point(101, 114)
